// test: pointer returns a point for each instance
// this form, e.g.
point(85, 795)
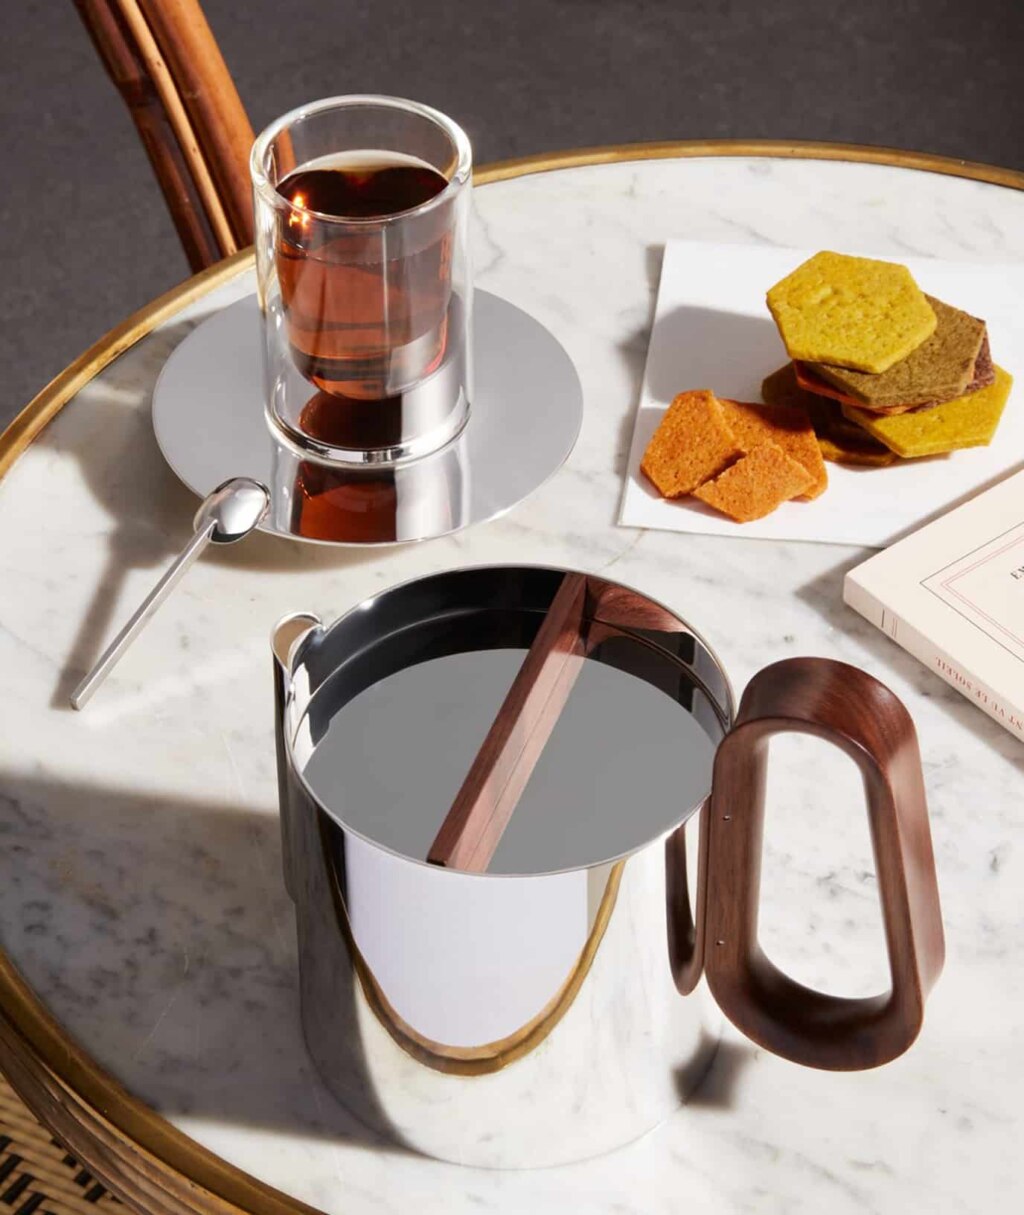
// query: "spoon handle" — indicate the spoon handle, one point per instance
point(112, 654)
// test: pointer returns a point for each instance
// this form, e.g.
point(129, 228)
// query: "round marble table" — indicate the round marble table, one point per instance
point(148, 1003)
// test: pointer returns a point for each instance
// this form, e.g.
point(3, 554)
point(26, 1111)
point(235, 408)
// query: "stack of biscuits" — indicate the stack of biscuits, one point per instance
point(884, 371)
point(879, 372)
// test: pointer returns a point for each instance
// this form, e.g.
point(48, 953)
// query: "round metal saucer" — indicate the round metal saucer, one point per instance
point(526, 413)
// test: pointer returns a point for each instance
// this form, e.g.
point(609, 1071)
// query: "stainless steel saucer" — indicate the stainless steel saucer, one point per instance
point(526, 413)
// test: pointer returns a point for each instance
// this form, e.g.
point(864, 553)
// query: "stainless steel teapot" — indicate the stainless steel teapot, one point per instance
point(550, 1007)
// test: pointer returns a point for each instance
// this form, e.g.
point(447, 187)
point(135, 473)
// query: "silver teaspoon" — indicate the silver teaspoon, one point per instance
point(229, 514)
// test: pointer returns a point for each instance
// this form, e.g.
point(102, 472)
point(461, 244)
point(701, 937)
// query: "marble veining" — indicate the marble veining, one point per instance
point(141, 890)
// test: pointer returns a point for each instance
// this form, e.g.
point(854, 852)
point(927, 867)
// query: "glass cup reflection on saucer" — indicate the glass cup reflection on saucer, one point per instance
point(376, 504)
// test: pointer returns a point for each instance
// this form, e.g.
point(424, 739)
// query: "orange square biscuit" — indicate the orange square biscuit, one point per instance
point(692, 443)
point(785, 426)
point(755, 485)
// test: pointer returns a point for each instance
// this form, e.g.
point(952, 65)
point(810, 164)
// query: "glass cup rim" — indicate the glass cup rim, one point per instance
point(269, 191)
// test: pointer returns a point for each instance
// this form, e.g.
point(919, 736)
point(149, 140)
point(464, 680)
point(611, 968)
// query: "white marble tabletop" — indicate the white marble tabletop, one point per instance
point(140, 874)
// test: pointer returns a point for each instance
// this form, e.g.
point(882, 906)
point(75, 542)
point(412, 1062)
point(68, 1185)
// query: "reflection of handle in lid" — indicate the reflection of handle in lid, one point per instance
point(581, 613)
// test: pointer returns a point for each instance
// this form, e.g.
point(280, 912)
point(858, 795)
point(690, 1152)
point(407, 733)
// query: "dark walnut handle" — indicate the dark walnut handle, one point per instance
point(847, 707)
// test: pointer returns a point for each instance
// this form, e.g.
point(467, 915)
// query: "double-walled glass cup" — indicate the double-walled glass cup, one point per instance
point(362, 214)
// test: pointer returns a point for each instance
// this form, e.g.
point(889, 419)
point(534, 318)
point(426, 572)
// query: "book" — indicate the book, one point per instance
point(952, 594)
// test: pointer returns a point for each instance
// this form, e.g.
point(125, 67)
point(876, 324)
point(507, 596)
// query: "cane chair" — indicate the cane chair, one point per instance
point(165, 62)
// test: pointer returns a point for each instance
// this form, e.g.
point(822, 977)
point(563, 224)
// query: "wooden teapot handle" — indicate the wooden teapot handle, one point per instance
point(865, 719)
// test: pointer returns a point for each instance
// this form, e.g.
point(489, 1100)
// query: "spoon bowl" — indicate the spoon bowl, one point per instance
point(235, 508)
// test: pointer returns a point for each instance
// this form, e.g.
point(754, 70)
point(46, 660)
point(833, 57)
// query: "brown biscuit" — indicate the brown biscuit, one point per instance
point(692, 443)
point(984, 368)
point(841, 441)
point(807, 377)
point(782, 388)
point(756, 484)
point(939, 369)
point(856, 452)
point(983, 374)
point(785, 426)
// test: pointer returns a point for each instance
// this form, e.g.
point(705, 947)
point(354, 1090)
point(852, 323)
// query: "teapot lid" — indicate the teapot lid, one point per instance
point(507, 720)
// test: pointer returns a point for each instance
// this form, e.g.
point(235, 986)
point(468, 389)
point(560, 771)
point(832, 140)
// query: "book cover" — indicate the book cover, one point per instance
point(952, 594)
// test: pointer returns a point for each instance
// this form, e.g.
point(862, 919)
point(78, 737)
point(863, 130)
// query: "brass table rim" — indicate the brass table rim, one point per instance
point(126, 1144)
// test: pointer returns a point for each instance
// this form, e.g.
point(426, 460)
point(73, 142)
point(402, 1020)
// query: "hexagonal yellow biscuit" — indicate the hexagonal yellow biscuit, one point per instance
point(968, 421)
point(851, 312)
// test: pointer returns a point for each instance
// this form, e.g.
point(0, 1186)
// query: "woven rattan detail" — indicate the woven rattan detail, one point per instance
point(37, 1177)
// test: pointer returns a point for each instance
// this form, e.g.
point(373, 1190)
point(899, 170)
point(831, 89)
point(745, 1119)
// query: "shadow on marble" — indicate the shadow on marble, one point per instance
point(633, 351)
point(824, 595)
point(159, 933)
point(653, 257)
point(718, 1088)
point(111, 437)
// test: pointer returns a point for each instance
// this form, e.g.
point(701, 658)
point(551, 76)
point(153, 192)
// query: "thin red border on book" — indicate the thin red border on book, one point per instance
point(947, 585)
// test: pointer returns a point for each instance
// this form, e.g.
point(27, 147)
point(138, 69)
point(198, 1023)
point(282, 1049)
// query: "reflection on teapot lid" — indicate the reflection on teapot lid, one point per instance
point(396, 730)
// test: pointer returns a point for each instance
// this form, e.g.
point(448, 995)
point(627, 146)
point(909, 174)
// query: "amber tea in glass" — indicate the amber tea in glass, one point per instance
point(361, 251)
